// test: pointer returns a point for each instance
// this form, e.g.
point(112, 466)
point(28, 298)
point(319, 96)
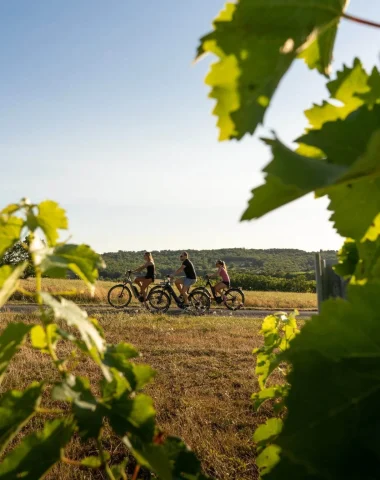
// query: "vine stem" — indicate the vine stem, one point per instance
point(49, 411)
point(104, 460)
point(68, 461)
point(136, 472)
point(362, 21)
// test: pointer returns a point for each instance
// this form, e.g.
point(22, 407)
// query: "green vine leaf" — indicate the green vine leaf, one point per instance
point(9, 277)
point(16, 409)
point(94, 462)
point(50, 218)
point(38, 452)
point(78, 318)
point(85, 406)
point(40, 338)
point(133, 415)
point(268, 431)
point(372, 97)
point(118, 471)
point(117, 356)
point(171, 460)
point(269, 393)
point(348, 259)
point(80, 259)
point(11, 339)
point(10, 231)
point(256, 45)
point(339, 351)
point(347, 88)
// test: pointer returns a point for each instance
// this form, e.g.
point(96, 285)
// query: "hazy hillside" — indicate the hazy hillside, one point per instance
point(272, 262)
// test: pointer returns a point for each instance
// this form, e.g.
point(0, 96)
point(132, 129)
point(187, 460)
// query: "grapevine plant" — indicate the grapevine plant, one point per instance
point(332, 422)
point(81, 413)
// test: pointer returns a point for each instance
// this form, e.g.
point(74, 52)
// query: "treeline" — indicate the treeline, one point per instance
point(273, 269)
point(263, 283)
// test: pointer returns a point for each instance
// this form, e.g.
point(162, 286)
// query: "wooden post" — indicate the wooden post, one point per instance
point(329, 284)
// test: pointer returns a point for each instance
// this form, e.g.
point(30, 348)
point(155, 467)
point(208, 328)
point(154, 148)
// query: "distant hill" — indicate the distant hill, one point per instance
point(271, 262)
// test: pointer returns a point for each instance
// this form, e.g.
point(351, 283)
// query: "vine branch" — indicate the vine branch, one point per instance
point(362, 21)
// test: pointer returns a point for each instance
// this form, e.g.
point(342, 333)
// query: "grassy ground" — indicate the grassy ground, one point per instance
point(205, 377)
point(278, 300)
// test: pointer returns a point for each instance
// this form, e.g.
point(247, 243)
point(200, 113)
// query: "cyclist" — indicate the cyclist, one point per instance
point(224, 283)
point(144, 282)
point(185, 282)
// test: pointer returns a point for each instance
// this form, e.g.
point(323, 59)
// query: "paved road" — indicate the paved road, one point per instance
point(93, 309)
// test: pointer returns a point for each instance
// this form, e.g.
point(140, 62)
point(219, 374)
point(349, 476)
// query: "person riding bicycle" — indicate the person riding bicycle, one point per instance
point(224, 283)
point(144, 282)
point(183, 283)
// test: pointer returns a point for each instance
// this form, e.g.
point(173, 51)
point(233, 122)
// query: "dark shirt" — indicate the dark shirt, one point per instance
point(150, 271)
point(189, 269)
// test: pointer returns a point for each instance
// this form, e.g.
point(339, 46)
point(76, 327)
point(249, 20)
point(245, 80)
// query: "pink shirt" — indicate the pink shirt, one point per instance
point(225, 277)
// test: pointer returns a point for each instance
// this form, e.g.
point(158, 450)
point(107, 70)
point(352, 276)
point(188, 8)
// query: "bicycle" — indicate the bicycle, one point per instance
point(232, 298)
point(120, 295)
point(160, 297)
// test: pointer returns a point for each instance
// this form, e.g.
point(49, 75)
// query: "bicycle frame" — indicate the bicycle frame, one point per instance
point(167, 287)
point(128, 281)
point(212, 288)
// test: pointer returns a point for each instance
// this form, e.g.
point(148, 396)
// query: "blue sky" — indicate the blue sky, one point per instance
point(103, 111)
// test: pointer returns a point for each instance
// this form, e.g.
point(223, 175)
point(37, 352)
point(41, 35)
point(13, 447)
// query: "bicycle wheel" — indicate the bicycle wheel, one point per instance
point(119, 296)
point(200, 301)
point(158, 300)
point(234, 299)
point(201, 289)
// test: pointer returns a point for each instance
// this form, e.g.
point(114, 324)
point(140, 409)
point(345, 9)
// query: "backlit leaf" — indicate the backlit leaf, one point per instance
point(9, 277)
point(267, 431)
point(256, 43)
point(10, 231)
point(50, 218)
point(80, 259)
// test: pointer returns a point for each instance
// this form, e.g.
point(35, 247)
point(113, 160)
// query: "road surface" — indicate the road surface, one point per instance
point(221, 312)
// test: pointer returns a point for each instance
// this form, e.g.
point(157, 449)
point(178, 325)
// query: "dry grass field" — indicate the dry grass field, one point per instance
point(205, 377)
point(264, 300)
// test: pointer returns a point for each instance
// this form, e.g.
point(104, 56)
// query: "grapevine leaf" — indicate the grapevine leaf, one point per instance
point(118, 471)
point(87, 411)
point(256, 44)
point(76, 317)
point(10, 209)
point(133, 415)
point(170, 460)
point(355, 207)
point(118, 357)
point(339, 351)
point(50, 218)
point(372, 97)
point(289, 176)
point(80, 259)
point(38, 452)
point(294, 175)
point(346, 88)
point(40, 338)
point(268, 431)
point(268, 458)
point(344, 141)
point(270, 393)
point(348, 259)
point(9, 277)
point(10, 231)
point(265, 364)
point(16, 408)
point(11, 339)
point(95, 462)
